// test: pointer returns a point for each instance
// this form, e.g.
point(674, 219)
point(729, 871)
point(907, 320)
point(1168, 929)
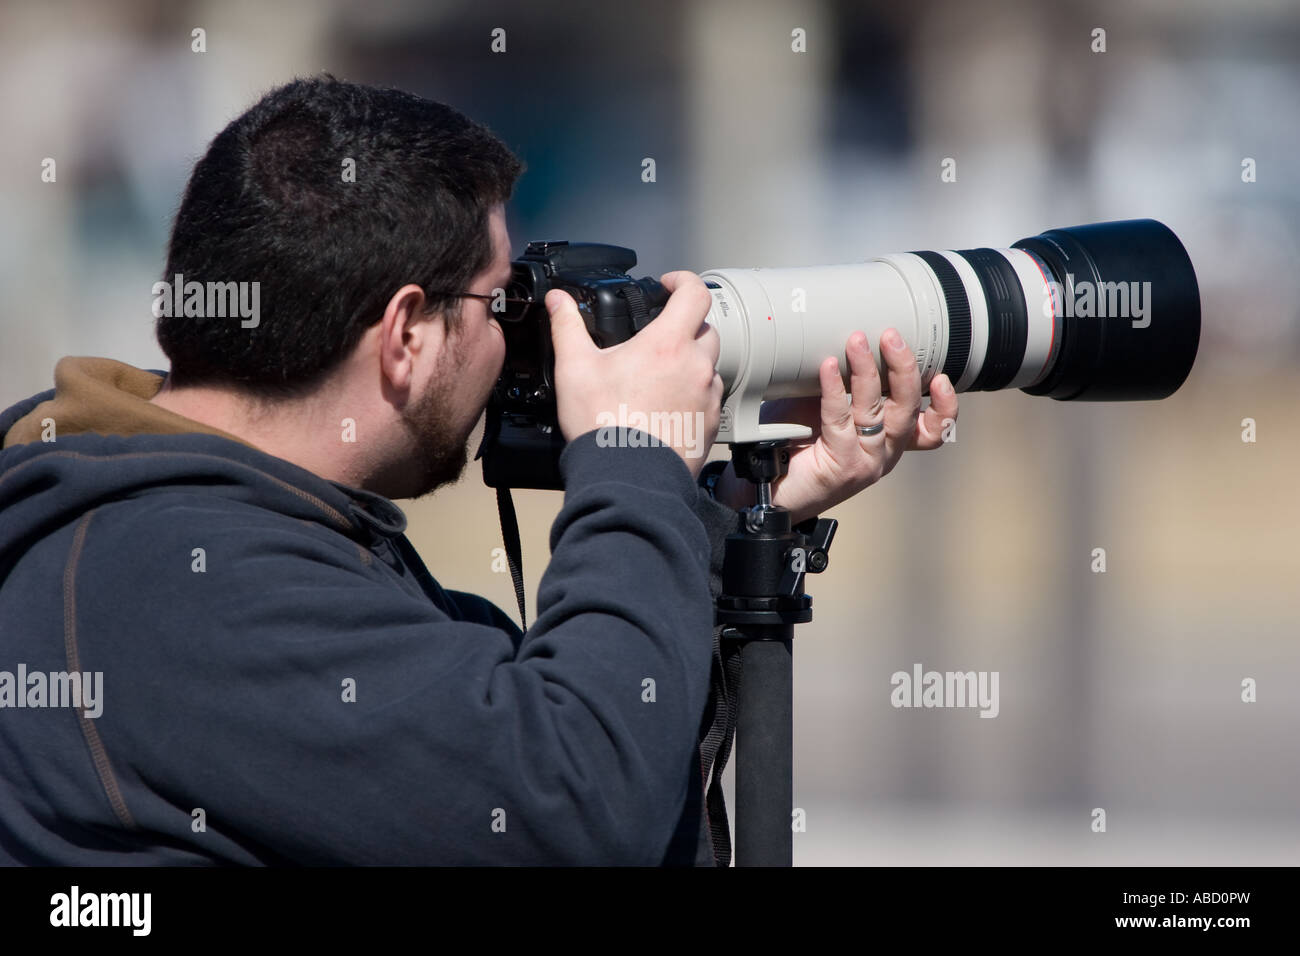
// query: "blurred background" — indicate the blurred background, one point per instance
point(1119, 690)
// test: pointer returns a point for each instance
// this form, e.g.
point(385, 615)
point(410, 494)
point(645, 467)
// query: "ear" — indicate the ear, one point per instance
point(405, 333)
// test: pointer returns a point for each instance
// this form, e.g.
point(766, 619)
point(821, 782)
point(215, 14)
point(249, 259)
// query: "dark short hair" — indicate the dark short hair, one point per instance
point(269, 203)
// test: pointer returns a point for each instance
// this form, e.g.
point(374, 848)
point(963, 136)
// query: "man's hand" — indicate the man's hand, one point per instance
point(664, 372)
point(839, 462)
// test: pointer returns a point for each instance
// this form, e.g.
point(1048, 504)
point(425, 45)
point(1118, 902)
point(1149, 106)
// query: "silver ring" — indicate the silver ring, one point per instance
point(868, 430)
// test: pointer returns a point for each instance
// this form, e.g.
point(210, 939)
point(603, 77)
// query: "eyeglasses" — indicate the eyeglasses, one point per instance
point(513, 312)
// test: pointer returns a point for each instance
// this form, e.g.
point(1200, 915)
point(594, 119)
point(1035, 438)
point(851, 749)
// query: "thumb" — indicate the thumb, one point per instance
point(568, 331)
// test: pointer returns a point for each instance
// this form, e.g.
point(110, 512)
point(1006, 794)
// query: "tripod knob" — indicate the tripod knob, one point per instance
point(819, 532)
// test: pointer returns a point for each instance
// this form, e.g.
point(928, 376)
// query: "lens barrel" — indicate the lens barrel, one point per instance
point(1142, 355)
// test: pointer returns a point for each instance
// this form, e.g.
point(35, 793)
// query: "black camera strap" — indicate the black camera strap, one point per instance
point(514, 555)
point(716, 742)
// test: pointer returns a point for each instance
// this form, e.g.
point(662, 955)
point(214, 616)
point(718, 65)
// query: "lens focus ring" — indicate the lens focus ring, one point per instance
point(1008, 319)
point(954, 294)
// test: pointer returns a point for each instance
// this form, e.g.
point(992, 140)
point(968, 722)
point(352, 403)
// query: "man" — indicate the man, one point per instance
point(221, 647)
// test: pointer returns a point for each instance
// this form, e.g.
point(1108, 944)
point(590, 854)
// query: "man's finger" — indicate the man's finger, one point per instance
point(710, 341)
point(864, 377)
point(569, 333)
point(904, 387)
point(836, 415)
point(936, 419)
point(687, 306)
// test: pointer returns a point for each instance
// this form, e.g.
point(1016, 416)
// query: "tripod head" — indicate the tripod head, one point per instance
point(764, 567)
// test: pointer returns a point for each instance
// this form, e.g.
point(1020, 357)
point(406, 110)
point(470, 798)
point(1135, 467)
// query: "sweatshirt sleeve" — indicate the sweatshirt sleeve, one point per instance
point(318, 712)
point(719, 521)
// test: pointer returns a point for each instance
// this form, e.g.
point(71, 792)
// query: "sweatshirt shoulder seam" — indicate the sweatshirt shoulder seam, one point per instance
point(72, 652)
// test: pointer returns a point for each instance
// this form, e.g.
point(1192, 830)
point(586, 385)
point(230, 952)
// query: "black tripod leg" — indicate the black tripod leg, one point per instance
point(764, 748)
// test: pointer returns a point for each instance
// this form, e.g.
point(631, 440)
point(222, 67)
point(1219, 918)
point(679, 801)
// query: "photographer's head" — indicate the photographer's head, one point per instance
point(356, 211)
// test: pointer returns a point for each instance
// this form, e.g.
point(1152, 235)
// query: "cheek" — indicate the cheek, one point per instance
point(496, 353)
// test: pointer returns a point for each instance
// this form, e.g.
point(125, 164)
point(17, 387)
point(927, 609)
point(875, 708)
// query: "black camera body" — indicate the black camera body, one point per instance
point(522, 441)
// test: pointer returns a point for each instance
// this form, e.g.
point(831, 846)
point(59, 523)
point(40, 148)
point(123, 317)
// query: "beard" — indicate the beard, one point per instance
point(440, 449)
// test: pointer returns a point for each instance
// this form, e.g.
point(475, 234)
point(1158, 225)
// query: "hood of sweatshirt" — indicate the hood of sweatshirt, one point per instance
point(95, 437)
